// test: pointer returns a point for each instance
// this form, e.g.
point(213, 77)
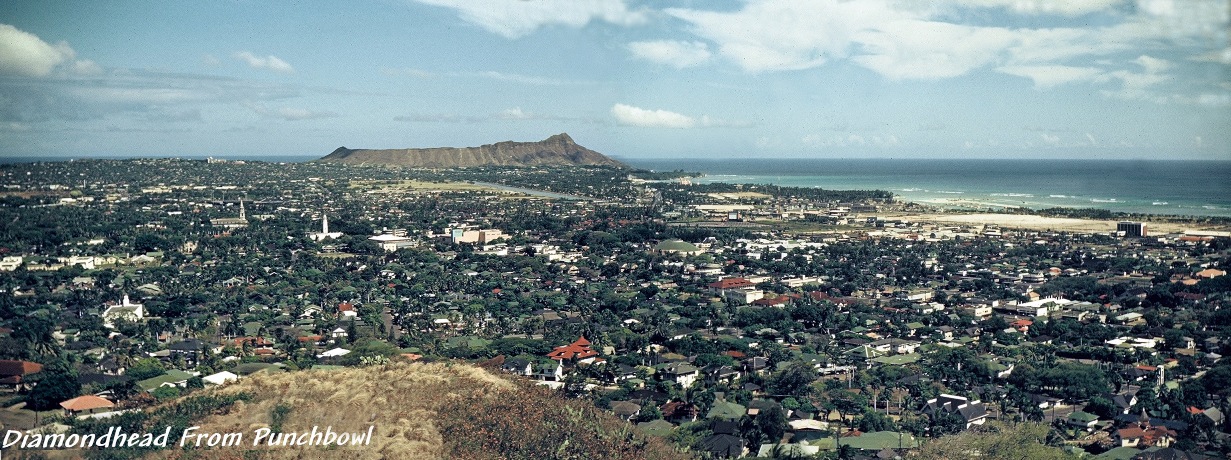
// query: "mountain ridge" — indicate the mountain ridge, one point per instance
point(559, 149)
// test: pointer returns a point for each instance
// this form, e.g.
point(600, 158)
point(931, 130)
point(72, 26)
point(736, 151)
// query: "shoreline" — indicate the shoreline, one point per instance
point(1047, 223)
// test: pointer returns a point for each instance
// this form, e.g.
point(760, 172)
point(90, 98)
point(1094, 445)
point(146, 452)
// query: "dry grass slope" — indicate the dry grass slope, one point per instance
point(438, 410)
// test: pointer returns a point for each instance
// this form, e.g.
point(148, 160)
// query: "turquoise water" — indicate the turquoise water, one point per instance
point(1152, 187)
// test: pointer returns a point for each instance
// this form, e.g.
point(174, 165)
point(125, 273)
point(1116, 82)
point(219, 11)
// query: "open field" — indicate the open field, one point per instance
point(420, 185)
point(739, 195)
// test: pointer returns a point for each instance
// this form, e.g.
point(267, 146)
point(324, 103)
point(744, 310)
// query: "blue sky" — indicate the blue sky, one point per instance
point(821, 78)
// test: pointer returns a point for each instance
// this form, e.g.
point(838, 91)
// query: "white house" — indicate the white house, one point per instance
point(126, 310)
point(220, 378)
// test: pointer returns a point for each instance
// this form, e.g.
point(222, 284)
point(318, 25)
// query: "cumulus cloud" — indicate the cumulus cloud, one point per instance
point(937, 40)
point(635, 116)
point(270, 62)
point(896, 42)
point(917, 49)
point(776, 35)
point(517, 18)
point(675, 53)
point(24, 54)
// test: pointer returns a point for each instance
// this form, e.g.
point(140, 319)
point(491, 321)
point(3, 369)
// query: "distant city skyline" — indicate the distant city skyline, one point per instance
point(1097, 79)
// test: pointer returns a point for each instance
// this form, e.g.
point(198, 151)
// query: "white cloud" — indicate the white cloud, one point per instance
point(85, 67)
point(898, 43)
point(634, 116)
point(1047, 76)
point(24, 54)
point(518, 18)
point(1157, 7)
point(1222, 56)
point(526, 79)
point(515, 113)
point(270, 62)
point(1039, 7)
point(936, 40)
point(127, 94)
point(1050, 139)
point(15, 126)
point(850, 140)
point(918, 49)
point(1214, 99)
point(777, 35)
point(678, 54)
point(489, 74)
point(1152, 65)
point(1141, 85)
point(288, 113)
point(510, 114)
point(296, 114)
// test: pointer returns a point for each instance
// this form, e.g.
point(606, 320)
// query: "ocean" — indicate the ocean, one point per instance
point(1201, 188)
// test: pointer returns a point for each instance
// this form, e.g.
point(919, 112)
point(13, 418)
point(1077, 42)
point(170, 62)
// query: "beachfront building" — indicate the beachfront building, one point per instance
point(1131, 229)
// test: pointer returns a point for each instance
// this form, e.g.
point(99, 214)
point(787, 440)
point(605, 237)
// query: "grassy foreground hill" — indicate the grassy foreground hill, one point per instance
point(436, 410)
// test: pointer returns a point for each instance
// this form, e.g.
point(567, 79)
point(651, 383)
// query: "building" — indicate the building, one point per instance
point(1131, 229)
point(1144, 435)
point(459, 235)
point(973, 412)
point(124, 310)
point(232, 222)
point(13, 373)
point(325, 233)
point(391, 243)
point(578, 351)
point(677, 247)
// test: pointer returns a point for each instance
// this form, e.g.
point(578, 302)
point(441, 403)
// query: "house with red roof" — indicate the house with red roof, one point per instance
point(776, 301)
point(731, 283)
point(1022, 325)
point(13, 373)
point(347, 310)
point(679, 412)
point(578, 351)
point(737, 290)
point(1144, 435)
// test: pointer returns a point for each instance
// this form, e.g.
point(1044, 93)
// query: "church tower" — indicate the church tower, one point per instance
point(242, 214)
point(325, 223)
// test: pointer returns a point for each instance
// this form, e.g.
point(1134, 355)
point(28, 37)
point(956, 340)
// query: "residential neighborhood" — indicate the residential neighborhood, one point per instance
point(732, 321)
